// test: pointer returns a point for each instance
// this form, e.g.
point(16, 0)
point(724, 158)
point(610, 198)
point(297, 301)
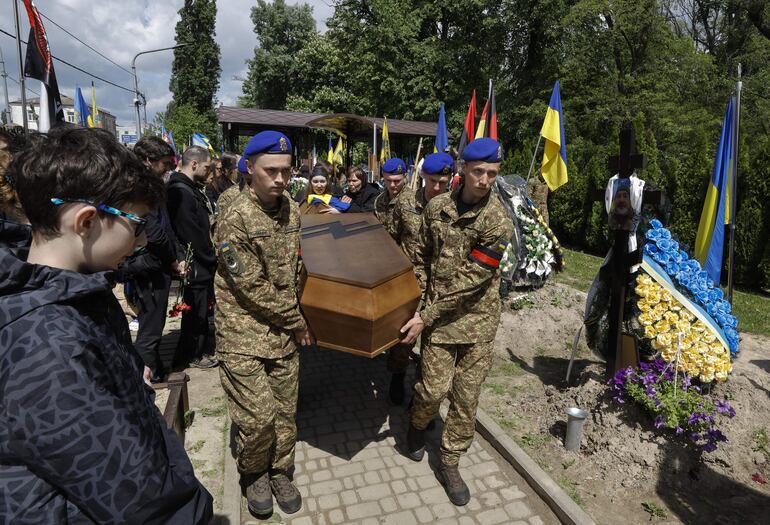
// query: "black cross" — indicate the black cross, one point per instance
point(339, 230)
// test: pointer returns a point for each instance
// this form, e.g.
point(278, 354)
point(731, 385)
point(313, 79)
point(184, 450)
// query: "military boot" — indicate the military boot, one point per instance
point(396, 390)
point(258, 495)
point(415, 443)
point(286, 494)
point(455, 487)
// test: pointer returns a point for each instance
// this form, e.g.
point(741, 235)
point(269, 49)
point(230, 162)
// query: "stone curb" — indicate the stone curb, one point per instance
point(231, 493)
point(560, 503)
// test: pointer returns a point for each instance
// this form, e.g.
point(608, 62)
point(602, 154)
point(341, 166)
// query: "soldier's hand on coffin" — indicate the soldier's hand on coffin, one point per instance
point(412, 329)
point(329, 209)
point(304, 337)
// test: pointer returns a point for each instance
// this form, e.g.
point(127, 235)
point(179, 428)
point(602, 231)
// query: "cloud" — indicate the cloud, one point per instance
point(119, 29)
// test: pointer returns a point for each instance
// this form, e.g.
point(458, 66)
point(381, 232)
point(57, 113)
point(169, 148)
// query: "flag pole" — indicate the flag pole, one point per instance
point(734, 188)
point(21, 67)
point(534, 156)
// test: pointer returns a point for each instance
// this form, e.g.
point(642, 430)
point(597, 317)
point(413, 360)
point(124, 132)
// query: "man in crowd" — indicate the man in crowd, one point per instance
point(152, 269)
point(81, 440)
point(406, 222)
point(188, 209)
point(464, 235)
point(394, 178)
point(259, 323)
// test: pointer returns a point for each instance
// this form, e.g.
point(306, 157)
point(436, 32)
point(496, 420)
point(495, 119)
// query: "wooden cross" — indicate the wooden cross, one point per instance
point(621, 350)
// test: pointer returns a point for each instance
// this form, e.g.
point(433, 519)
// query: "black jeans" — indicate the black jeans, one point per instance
point(152, 300)
point(195, 324)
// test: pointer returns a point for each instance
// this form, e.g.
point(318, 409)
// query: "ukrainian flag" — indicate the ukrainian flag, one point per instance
point(199, 139)
point(82, 115)
point(554, 167)
point(710, 241)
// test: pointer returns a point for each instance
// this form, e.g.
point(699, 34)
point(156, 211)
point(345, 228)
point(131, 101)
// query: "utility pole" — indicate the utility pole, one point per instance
point(137, 95)
point(3, 74)
point(21, 67)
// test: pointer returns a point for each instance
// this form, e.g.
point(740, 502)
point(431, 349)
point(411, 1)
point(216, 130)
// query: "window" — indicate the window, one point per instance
point(31, 115)
point(70, 117)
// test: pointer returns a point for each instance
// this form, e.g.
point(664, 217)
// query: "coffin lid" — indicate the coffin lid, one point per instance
point(351, 248)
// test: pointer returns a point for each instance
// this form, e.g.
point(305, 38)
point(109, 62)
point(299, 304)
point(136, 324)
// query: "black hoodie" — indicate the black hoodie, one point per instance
point(14, 234)
point(363, 201)
point(81, 440)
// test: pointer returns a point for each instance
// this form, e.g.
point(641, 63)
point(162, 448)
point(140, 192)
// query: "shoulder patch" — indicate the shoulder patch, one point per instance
point(230, 256)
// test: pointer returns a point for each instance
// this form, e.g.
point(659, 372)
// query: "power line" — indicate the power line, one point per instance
point(88, 46)
point(19, 83)
point(76, 67)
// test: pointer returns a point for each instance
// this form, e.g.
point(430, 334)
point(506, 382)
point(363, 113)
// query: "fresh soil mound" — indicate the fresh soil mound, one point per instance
point(626, 471)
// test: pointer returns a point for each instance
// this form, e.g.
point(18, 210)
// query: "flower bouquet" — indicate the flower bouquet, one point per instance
point(681, 313)
point(179, 305)
point(673, 401)
point(296, 185)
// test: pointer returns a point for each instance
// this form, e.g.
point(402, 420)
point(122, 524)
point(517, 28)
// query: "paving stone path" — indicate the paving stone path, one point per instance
point(349, 468)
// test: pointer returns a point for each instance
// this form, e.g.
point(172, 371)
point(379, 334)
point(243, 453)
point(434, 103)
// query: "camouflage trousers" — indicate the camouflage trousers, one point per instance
point(262, 400)
point(457, 371)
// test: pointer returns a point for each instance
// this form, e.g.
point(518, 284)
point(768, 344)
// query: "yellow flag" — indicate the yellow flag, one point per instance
point(385, 151)
point(93, 118)
point(338, 156)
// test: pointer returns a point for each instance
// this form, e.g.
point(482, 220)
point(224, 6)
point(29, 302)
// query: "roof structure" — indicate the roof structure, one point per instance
point(248, 121)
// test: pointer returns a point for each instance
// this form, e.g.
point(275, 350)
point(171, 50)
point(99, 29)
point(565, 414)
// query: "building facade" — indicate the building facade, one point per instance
point(105, 119)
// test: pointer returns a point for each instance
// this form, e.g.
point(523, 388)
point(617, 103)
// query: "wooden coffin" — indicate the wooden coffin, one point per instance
point(358, 287)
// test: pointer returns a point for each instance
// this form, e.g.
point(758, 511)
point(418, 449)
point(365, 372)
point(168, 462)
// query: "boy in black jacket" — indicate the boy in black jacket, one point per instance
point(80, 438)
point(188, 208)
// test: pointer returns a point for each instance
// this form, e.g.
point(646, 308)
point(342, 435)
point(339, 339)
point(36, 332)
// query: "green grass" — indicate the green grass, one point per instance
point(751, 309)
point(533, 441)
point(762, 442)
point(654, 510)
point(508, 368)
point(570, 487)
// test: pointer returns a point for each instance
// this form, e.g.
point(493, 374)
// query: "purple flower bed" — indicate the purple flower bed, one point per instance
point(687, 412)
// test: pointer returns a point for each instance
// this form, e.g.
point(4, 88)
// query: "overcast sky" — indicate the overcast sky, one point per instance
point(121, 28)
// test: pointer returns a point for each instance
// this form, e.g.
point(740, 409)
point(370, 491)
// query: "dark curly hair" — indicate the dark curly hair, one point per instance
point(79, 163)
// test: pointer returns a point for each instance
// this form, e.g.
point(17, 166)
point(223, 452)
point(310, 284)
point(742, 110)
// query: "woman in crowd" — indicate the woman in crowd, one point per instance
point(320, 198)
point(15, 231)
point(361, 193)
point(225, 175)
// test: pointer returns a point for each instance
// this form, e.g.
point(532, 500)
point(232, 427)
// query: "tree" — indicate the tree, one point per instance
point(283, 31)
point(195, 70)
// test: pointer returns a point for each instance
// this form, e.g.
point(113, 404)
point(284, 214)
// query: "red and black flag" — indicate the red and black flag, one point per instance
point(488, 123)
point(39, 65)
point(468, 126)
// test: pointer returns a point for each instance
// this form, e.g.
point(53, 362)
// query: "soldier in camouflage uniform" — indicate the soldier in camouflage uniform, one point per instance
point(259, 323)
point(227, 196)
point(463, 237)
point(394, 175)
point(405, 221)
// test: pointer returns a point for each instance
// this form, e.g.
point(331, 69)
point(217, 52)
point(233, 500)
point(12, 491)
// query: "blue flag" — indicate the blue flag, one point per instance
point(81, 109)
point(442, 137)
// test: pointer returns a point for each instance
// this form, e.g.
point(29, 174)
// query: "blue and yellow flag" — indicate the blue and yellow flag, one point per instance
point(330, 153)
point(82, 115)
point(199, 139)
point(442, 136)
point(554, 167)
point(710, 241)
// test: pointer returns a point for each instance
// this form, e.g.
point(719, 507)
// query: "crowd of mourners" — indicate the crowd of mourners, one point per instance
point(85, 220)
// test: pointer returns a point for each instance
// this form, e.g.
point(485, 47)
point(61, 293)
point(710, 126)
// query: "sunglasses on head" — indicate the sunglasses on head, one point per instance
point(140, 223)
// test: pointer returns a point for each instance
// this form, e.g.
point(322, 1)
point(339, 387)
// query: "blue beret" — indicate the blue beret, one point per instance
point(394, 167)
point(485, 149)
point(268, 142)
point(242, 165)
point(438, 164)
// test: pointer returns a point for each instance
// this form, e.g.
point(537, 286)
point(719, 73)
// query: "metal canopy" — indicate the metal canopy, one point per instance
point(247, 121)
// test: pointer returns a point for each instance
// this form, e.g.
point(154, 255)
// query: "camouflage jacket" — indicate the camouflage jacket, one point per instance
point(256, 281)
point(383, 210)
point(406, 221)
point(226, 197)
point(461, 257)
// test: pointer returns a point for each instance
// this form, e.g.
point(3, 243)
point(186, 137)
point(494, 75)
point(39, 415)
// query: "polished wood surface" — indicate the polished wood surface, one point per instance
point(360, 320)
point(350, 248)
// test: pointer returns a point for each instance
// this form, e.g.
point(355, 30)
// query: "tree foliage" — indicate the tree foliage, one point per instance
point(667, 66)
point(195, 70)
